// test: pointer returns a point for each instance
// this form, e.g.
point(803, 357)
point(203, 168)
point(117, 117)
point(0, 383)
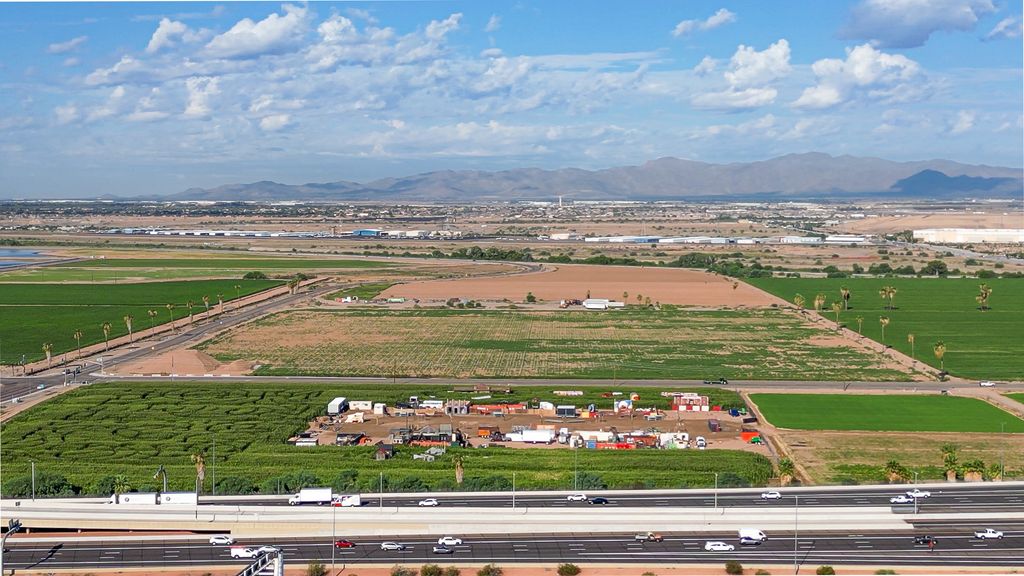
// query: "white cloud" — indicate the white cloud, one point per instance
point(748, 77)
point(108, 108)
point(867, 73)
point(273, 34)
point(1009, 27)
point(363, 15)
point(763, 126)
point(274, 122)
point(909, 23)
point(964, 122)
point(70, 62)
point(438, 29)
point(146, 109)
point(125, 66)
point(170, 32)
point(493, 24)
point(64, 47)
point(706, 66)
point(719, 18)
point(66, 114)
point(200, 89)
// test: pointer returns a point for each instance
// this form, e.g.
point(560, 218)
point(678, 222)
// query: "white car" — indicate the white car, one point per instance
point(243, 552)
point(986, 383)
point(449, 541)
point(770, 495)
point(901, 499)
point(222, 540)
point(718, 547)
point(576, 497)
point(918, 493)
point(267, 550)
point(391, 546)
point(988, 533)
point(429, 502)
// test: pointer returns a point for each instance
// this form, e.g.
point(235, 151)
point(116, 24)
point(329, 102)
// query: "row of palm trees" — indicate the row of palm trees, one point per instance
point(952, 467)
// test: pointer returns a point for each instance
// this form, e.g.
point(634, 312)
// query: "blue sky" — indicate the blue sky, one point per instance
point(143, 98)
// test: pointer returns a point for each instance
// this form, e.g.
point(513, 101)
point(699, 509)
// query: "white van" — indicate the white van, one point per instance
point(243, 552)
point(752, 534)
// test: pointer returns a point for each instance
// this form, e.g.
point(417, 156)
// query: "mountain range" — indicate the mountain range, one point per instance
point(794, 176)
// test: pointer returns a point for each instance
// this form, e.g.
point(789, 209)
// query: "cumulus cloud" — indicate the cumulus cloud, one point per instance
point(108, 108)
point(867, 73)
point(719, 18)
point(273, 34)
point(200, 90)
point(963, 122)
point(70, 62)
point(66, 114)
point(1009, 27)
point(274, 122)
point(909, 23)
point(147, 108)
point(748, 77)
point(438, 29)
point(493, 24)
point(763, 126)
point(64, 47)
point(170, 32)
point(706, 66)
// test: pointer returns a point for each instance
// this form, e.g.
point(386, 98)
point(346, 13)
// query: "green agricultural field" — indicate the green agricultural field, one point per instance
point(983, 345)
point(878, 412)
point(630, 343)
point(34, 314)
point(363, 291)
point(296, 263)
point(1017, 397)
point(90, 434)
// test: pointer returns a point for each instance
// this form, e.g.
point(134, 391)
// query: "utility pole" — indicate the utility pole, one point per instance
point(214, 467)
point(334, 533)
point(33, 481)
point(382, 490)
point(716, 491)
point(513, 490)
point(575, 469)
point(1002, 454)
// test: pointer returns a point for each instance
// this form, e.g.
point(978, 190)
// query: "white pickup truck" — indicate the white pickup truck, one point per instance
point(649, 537)
point(987, 534)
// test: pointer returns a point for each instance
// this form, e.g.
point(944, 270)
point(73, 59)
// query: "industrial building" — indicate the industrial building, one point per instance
point(970, 235)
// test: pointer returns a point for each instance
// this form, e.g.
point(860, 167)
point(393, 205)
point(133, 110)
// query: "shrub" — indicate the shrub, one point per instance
point(47, 484)
point(884, 571)
point(235, 485)
point(255, 276)
point(825, 570)
point(489, 570)
point(733, 567)
point(402, 571)
point(530, 297)
point(648, 573)
point(568, 570)
point(452, 571)
point(431, 570)
point(762, 572)
point(316, 569)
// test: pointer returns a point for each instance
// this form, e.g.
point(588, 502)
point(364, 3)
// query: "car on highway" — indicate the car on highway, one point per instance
point(576, 497)
point(721, 381)
point(901, 499)
point(392, 546)
point(599, 500)
point(718, 547)
point(748, 541)
point(771, 495)
point(344, 544)
point(449, 541)
point(442, 550)
point(428, 502)
point(918, 493)
point(243, 552)
point(267, 550)
point(926, 540)
point(987, 534)
point(41, 386)
point(986, 383)
point(221, 540)
point(649, 537)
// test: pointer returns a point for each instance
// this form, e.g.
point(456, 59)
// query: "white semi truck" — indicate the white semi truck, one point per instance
point(135, 498)
point(346, 500)
point(316, 496)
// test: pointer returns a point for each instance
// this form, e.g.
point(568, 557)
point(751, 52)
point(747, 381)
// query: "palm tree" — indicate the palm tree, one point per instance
point(48, 350)
point(911, 339)
point(799, 301)
point(884, 321)
point(949, 461)
point(121, 484)
point(220, 301)
point(846, 297)
point(860, 325)
point(940, 351)
point(837, 308)
point(786, 471)
point(888, 293)
point(152, 319)
point(984, 291)
point(895, 472)
point(190, 304)
point(170, 310)
point(128, 319)
point(199, 459)
point(293, 285)
point(460, 470)
point(106, 336)
point(647, 301)
point(238, 294)
point(625, 296)
point(206, 302)
point(819, 302)
point(639, 299)
point(78, 338)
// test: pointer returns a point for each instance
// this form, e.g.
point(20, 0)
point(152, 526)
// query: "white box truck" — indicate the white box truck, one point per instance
point(337, 406)
point(316, 496)
point(182, 498)
point(346, 500)
point(538, 436)
point(135, 498)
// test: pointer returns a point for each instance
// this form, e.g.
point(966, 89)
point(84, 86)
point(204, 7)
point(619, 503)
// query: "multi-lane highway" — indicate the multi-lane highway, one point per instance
point(953, 548)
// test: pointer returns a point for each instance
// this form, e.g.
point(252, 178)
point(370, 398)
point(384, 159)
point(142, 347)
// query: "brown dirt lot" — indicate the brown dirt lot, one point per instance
point(959, 219)
point(665, 285)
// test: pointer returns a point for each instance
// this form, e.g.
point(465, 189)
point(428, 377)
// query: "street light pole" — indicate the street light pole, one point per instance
point(796, 532)
point(513, 490)
point(334, 534)
point(716, 491)
point(575, 469)
point(382, 490)
point(33, 481)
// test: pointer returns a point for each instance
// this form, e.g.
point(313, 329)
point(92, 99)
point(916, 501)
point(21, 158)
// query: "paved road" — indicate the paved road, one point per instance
point(954, 498)
point(954, 547)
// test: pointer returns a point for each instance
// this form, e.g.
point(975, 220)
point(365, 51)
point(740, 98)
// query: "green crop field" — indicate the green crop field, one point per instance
point(630, 343)
point(878, 412)
point(1017, 397)
point(228, 263)
point(363, 291)
point(34, 314)
point(983, 345)
point(90, 434)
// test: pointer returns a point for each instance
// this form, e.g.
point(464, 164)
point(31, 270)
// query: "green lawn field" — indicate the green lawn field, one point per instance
point(878, 412)
point(630, 343)
point(34, 314)
point(363, 291)
point(985, 345)
point(228, 263)
point(131, 428)
point(1017, 397)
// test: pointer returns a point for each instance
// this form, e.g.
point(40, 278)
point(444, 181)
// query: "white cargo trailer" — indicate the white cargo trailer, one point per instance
point(316, 496)
point(183, 498)
point(135, 498)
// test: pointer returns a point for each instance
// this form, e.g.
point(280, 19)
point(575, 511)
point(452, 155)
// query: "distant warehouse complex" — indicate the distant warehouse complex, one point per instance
point(970, 235)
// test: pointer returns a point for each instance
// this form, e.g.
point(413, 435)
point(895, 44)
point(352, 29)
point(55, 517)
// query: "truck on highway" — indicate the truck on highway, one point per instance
point(649, 537)
point(752, 534)
point(135, 498)
point(316, 496)
point(346, 500)
point(183, 498)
